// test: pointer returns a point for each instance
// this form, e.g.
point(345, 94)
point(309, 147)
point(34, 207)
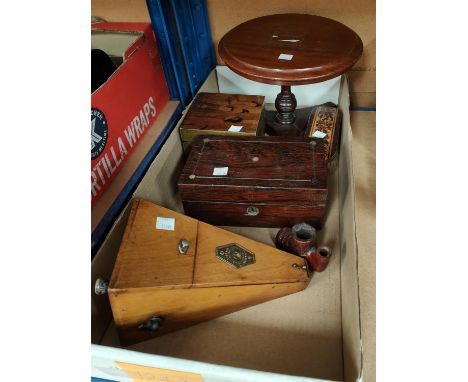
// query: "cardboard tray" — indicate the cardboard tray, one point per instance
point(311, 335)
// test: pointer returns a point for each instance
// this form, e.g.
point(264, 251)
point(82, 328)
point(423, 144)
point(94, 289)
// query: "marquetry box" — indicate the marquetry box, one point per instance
point(255, 181)
point(325, 123)
point(222, 114)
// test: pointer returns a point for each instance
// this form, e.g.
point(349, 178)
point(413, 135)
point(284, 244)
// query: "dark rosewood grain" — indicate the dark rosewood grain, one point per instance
point(283, 180)
point(252, 193)
point(269, 215)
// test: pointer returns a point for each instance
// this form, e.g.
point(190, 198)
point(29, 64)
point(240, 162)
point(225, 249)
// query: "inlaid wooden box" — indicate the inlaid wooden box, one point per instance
point(255, 181)
point(325, 123)
point(222, 114)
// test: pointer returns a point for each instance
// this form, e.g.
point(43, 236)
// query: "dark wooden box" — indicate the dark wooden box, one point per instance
point(222, 114)
point(255, 181)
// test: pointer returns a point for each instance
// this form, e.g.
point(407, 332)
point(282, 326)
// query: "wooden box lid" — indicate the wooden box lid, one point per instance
point(149, 257)
point(215, 113)
point(255, 169)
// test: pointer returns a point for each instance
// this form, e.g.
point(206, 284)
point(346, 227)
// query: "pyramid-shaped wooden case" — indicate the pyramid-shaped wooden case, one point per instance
point(173, 271)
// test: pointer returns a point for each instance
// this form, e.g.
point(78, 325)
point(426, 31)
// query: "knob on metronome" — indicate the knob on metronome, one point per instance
point(152, 325)
point(183, 246)
point(100, 286)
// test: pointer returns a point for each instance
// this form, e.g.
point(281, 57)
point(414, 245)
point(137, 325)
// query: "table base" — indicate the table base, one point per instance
point(295, 129)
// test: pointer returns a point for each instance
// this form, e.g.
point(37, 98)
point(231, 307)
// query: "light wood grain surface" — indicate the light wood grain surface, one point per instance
point(271, 265)
point(152, 278)
point(181, 308)
point(149, 257)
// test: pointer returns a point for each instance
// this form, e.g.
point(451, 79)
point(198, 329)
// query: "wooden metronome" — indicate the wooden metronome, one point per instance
point(173, 271)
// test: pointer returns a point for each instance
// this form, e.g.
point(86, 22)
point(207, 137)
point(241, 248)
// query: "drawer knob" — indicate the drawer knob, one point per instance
point(152, 325)
point(252, 211)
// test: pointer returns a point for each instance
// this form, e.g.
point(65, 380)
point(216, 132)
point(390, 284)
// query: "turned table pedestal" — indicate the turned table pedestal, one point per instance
point(288, 50)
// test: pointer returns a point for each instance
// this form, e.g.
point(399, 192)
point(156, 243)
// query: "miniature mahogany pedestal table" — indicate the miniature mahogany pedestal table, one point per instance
point(287, 50)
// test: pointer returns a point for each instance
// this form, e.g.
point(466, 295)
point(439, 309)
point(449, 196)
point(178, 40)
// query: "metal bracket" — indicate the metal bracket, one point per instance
point(302, 267)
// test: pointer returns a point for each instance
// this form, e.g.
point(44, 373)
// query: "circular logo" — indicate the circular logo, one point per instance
point(98, 132)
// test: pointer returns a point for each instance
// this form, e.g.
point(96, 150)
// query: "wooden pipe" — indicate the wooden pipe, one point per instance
point(301, 240)
point(319, 259)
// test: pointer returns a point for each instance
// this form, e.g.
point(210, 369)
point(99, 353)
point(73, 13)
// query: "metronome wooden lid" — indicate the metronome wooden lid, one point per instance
point(149, 255)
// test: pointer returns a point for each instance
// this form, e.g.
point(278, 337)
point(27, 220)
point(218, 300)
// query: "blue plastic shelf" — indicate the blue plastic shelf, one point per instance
point(193, 28)
point(168, 46)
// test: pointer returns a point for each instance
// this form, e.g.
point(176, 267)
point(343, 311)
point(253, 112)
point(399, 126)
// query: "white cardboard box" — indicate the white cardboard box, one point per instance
point(308, 336)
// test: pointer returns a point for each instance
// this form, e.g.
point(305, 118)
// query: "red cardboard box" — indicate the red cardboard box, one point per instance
point(127, 104)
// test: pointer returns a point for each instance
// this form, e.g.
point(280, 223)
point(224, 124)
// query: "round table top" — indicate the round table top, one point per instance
point(290, 49)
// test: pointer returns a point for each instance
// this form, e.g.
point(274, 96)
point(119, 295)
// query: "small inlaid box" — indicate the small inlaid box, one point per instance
point(222, 114)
